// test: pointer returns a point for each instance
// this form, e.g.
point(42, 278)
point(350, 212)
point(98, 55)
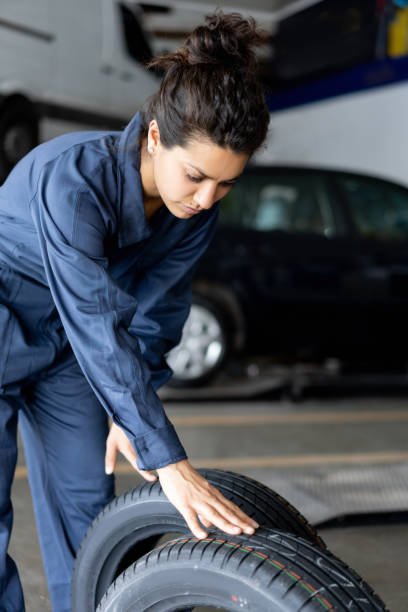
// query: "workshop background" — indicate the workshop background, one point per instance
point(293, 366)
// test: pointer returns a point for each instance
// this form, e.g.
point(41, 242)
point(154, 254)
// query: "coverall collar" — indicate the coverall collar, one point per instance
point(133, 225)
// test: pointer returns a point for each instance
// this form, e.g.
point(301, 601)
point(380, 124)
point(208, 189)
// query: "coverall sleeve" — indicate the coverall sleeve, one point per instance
point(164, 298)
point(73, 218)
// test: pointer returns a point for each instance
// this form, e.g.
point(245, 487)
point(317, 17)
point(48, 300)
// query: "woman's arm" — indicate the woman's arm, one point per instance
point(72, 223)
point(73, 218)
point(164, 296)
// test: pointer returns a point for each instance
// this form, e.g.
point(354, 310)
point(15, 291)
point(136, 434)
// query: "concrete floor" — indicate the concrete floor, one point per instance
point(275, 442)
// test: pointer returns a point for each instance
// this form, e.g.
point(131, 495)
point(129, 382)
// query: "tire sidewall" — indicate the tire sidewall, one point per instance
point(137, 522)
point(212, 587)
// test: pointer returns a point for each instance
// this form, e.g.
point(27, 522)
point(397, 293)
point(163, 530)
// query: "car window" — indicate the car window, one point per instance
point(291, 202)
point(379, 209)
point(137, 45)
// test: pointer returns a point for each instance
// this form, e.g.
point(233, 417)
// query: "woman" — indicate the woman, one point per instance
point(99, 236)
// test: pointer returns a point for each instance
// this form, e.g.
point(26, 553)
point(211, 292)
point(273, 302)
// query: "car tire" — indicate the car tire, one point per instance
point(268, 571)
point(133, 523)
point(18, 135)
point(204, 345)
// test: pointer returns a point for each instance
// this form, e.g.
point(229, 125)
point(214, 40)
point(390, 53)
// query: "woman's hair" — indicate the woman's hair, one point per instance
point(210, 87)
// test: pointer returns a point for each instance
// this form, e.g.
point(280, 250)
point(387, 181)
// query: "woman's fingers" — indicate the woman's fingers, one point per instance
point(128, 452)
point(234, 508)
point(194, 497)
point(230, 510)
point(147, 475)
point(234, 515)
point(110, 455)
point(192, 522)
point(118, 441)
point(224, 514)
point(220, 520)
point(209, 517)
point(204, 521)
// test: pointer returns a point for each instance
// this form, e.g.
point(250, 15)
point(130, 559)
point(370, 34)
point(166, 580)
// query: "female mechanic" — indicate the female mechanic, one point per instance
point(100, 233)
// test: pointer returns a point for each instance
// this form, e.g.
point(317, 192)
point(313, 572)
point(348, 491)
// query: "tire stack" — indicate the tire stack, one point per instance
point(122, 564)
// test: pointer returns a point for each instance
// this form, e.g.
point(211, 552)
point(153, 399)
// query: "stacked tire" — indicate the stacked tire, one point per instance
point(285, 566)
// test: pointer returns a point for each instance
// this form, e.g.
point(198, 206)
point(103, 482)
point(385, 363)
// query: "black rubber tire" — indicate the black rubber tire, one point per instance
point(133, 523)
point(216, 311)
point(270, 571)
point(17, 115)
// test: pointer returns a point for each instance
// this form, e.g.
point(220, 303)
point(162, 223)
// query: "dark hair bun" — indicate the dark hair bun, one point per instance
point(225, 39)
point(211, 88)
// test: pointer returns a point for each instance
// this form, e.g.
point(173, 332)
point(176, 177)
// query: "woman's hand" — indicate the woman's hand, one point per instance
point(116, 441)
point(194, 496)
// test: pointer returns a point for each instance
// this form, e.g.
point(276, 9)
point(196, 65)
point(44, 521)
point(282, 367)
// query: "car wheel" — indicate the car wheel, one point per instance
point(267, 571)
point(18, 135)
point(203, 347)
point(133, 524)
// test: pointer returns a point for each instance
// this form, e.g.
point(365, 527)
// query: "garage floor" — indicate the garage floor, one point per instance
point(329, 457)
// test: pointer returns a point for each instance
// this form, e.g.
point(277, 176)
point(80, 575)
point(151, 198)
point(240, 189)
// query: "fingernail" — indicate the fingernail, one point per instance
point(108, 470)
point(255, 525)
point(249, 530)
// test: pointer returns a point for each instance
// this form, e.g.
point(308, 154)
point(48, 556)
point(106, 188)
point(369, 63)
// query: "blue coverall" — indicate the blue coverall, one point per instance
point(92, 296)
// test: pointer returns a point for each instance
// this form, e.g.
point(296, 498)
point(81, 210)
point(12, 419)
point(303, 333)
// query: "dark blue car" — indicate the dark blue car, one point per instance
point(306, 264)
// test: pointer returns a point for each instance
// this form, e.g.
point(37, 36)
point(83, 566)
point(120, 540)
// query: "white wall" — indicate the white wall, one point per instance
point(365, 131)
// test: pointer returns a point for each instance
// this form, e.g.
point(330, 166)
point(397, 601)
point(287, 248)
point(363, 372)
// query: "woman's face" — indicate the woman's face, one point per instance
point(192, 178)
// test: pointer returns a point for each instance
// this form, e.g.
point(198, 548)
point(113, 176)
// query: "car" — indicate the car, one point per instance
point(68, 66)
point(306, 264)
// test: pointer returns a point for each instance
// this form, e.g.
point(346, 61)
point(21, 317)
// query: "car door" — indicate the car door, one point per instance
point(377, 212)
point(281, 249)
point(81, 88)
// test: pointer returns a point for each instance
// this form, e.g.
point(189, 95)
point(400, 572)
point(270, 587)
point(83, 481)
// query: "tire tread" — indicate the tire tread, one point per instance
point(201, 551)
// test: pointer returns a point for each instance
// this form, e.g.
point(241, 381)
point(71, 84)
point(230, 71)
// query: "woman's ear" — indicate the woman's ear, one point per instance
point(153, 137)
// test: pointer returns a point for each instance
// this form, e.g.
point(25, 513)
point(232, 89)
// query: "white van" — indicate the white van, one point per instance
point(66, 66)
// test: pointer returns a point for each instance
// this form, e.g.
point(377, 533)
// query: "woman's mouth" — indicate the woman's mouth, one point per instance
point(189, 210)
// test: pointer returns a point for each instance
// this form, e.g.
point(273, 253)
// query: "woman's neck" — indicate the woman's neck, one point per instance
point(151, 197)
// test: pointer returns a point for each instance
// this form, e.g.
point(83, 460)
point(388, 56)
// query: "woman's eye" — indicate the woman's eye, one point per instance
point(195, 179)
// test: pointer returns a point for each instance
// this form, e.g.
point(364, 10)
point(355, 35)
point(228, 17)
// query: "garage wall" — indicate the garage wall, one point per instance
point(365, 131)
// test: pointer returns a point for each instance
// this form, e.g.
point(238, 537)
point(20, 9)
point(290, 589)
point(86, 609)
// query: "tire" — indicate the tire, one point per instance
point(18, 135)
point(204, 345)
point(270, 571)
point(134, 522)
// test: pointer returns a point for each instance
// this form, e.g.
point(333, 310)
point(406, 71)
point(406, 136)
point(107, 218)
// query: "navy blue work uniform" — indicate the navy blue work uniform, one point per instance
point(92, 296)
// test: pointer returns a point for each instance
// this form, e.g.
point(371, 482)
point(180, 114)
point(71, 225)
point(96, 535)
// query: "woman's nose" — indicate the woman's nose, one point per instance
point(205, 196)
